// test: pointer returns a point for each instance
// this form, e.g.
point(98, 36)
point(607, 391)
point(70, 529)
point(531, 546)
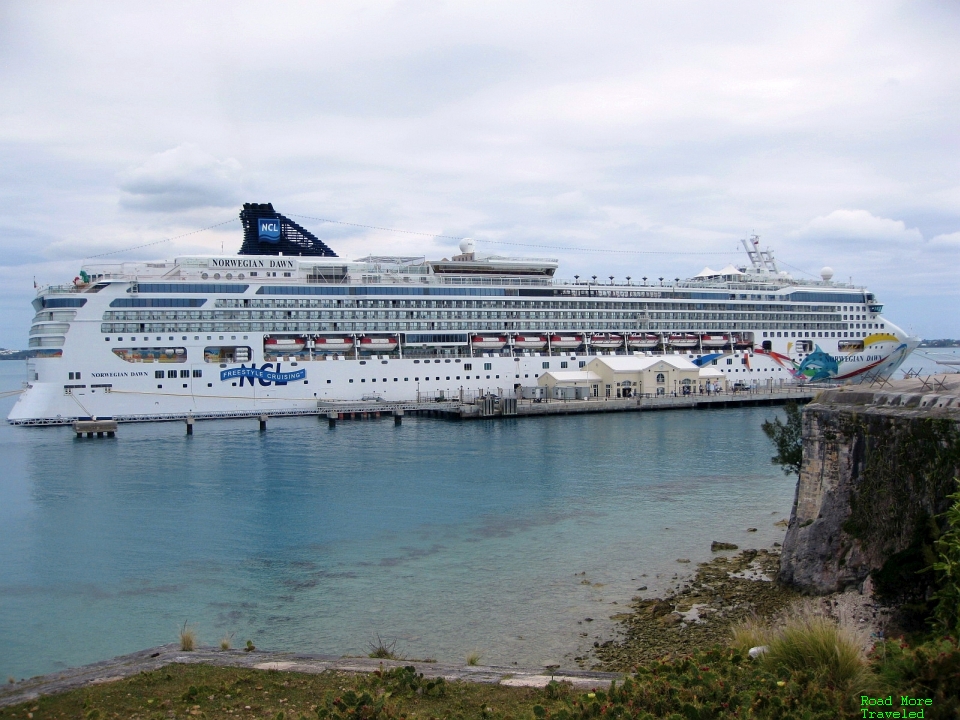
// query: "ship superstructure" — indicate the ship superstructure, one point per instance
point(287, 324)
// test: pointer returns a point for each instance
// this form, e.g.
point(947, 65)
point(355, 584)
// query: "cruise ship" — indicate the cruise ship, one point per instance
point(287, 325)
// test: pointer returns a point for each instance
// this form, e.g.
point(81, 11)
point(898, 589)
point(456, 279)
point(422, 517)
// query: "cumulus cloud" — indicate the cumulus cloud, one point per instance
point(858, 225)
point(183, 178)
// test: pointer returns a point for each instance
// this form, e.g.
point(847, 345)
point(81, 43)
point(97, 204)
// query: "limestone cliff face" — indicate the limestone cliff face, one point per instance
point(877, 468)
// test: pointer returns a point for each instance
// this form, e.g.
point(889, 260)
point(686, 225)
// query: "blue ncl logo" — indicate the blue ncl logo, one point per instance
point(269, 229)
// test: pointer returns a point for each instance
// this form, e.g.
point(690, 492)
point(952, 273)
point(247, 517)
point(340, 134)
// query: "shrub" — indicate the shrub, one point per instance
point(929, 670)
point(947, 569)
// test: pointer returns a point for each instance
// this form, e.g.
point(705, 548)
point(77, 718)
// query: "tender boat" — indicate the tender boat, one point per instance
point(647, 341)
point(566, 342)
point(488, 342)
point(333, 344)
point(530, 342)
point(378, 344)
point(283, 345)
point(685, 340)
point(714, 341)
point(606, 342)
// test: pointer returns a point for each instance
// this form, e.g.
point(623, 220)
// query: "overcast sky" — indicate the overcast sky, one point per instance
point(829, 129)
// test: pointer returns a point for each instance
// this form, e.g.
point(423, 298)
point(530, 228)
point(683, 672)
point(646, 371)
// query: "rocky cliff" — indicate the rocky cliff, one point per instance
point(878, 465)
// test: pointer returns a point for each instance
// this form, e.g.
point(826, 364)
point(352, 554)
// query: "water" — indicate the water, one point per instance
point(444, 537)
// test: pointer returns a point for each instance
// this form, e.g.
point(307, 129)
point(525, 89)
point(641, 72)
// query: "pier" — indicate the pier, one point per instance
point(491, 406)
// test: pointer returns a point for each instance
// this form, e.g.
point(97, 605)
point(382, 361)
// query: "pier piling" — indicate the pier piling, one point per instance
point(263, 423)
point(332, 419)
point(189, 425)
point(398, 417)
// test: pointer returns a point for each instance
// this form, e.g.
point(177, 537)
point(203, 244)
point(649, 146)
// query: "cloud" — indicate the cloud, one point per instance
point(947, 241)
point(183, 178)
point(858, 226)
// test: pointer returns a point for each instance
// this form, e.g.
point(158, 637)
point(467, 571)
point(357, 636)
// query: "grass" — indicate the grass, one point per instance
point(381, 650)
point(751, 633)
point(806, 641)
point(473, 658)
point(188, 638)
point(225, 641)
point(819, 645)
point(696, 686)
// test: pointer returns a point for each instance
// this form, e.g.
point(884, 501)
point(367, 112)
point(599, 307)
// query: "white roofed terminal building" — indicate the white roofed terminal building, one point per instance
point(624, 376)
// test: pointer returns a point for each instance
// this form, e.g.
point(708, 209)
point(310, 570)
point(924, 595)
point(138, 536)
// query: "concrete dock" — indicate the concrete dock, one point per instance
point(495, 407)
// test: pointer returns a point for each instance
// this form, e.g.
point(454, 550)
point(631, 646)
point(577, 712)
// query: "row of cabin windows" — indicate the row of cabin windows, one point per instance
point(874, 326)
point(159, 374)
point(437, 377)
point(300, 304)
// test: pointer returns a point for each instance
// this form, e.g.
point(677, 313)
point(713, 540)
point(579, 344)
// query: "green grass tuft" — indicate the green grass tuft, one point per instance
point(188, 638)
point(473, 657)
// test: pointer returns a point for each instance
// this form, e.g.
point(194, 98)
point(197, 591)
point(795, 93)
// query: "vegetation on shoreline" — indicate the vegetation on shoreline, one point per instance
point(717, 683)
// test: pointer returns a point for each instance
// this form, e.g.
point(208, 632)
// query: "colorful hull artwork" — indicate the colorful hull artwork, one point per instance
point(821, 366)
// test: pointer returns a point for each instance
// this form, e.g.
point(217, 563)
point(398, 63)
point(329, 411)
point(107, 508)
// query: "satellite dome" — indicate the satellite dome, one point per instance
point(466, 246)
point(827, 274)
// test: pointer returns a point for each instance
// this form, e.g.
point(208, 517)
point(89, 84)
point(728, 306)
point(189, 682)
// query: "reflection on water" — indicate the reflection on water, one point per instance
point(447, 536)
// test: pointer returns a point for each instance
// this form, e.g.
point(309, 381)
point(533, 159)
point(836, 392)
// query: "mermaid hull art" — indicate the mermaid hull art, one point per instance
point(878, 357)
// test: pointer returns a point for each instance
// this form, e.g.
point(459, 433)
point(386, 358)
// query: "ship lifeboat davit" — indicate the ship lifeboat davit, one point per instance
point(282, 345)
point(566, 342)
point(643, 342)
point(530, 342)
point(333, 344)
point(606, 342)
point(378, 344)
point(714, 341)
point(685, 340)
point(488, 342)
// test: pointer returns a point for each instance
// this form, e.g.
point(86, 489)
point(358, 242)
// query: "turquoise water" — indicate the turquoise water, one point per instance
point(445, 537)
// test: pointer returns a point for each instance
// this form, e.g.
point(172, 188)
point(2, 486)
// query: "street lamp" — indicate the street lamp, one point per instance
point(611, 279)
point(628, 279)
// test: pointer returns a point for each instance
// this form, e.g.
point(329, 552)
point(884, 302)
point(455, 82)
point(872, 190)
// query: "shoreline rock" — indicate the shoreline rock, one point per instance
point(700, 614)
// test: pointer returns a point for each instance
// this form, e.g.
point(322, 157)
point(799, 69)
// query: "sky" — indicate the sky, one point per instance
point(622, 138)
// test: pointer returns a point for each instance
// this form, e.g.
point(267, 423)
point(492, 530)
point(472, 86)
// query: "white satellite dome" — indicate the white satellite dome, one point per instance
point(466, 246)
point(827, 274)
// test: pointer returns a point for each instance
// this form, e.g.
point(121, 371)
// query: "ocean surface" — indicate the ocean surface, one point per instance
point(500, 537)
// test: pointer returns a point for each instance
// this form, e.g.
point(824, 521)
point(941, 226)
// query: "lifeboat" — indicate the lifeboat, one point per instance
point(714, 341)
point(643, 342)
point(530, 342)
point(282, 345)
point(566, 342)
point(606, 341)
point(683, 341)
point(378, 344)
point(488, 342)
point(333, 344)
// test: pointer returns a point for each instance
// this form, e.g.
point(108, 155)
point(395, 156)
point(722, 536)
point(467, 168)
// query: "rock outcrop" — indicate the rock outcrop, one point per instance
point(878, 466)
